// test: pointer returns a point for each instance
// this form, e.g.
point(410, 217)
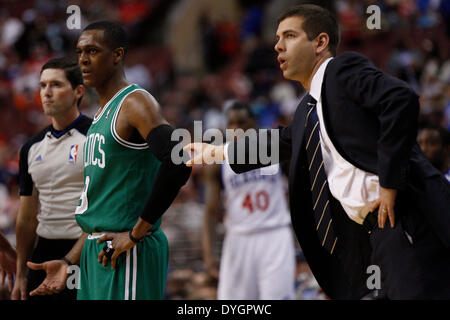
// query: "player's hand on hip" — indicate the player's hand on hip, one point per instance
point(56, 278)
point(119, 242)
point(204, 153)
point(385, 205)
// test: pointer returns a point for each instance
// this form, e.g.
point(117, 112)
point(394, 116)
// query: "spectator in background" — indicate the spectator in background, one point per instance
point(435, 143)
point(405, 63)
point(132, 11)
point(137, 73)
point(7, 262)
point(444, 10)
point(9, 204)
point(220, 41)
point(306, 286)
point(446, 111)
point(187, 284)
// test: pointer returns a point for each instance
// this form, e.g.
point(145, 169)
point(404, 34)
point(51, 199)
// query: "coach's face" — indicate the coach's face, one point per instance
point(95, 58)
point(57, 94)
point(296, 54)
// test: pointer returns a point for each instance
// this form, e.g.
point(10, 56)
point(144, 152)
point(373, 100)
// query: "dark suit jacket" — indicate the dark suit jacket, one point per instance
point(371, 119)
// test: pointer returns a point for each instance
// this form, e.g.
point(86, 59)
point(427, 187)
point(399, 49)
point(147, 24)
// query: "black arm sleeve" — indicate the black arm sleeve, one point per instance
point(171, 177)
point(25, 180)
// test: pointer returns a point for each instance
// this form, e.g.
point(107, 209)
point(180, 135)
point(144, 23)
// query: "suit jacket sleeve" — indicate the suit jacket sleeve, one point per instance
point(394, 103)
point(253, 151)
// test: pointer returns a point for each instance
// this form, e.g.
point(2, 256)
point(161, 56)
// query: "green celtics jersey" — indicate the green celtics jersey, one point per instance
point(118, 175)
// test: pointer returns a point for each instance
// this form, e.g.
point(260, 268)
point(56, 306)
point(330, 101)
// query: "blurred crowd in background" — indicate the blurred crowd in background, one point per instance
point(194, 56)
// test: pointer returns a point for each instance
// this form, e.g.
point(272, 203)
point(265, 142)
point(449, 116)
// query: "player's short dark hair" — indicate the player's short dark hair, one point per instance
point(315, 21)
point(71, 70)
point(237, 106)
point(114, 35)
point(443, 133)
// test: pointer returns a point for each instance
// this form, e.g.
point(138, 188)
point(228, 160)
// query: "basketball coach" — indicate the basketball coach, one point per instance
point(361, 191)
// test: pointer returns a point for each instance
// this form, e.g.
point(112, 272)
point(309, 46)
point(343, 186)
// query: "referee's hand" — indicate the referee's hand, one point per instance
point(120, 242)
point(56, 278)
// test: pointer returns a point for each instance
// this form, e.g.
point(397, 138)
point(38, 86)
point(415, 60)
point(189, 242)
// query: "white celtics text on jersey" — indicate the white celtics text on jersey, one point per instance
point(254, 201)
point(94, 154)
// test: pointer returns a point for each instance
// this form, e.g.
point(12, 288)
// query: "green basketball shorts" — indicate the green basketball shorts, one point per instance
point(140, 273)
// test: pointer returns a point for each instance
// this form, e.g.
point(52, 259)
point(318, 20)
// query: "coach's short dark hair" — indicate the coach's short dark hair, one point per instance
point(315, 21)
point(71, 70)
point(114, 35)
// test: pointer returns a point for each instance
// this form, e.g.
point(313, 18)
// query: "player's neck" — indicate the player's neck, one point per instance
point(110, 88)
point(62, 121)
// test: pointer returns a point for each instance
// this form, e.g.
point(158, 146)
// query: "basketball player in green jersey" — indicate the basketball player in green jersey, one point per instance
point(129, 182)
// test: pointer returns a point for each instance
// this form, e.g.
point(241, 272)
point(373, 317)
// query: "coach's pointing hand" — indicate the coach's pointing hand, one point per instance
point(120, 242)
point(205, 153)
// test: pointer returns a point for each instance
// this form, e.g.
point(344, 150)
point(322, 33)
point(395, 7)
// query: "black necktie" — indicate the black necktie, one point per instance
point(318, 178)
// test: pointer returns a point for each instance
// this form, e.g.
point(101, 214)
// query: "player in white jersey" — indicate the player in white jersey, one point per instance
point(258, 254)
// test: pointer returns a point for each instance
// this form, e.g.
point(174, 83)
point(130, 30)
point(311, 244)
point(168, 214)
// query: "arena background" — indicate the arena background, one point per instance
point(193, 56)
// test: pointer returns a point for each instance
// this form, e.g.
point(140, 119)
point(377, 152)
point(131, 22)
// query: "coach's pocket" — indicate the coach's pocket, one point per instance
point(408, 228)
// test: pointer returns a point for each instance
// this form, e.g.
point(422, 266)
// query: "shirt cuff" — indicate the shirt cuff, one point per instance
point(225, 152)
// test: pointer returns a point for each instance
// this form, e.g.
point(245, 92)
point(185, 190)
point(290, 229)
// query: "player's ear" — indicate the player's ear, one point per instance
point(79, 91)
point(119, 54)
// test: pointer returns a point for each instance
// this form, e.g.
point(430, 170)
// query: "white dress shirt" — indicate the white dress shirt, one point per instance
point(355, 189)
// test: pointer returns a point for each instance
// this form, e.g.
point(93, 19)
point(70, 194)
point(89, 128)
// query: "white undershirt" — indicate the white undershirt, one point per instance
point(355, 189)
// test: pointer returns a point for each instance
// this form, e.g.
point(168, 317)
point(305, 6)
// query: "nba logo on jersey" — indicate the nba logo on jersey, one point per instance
point(73, 154)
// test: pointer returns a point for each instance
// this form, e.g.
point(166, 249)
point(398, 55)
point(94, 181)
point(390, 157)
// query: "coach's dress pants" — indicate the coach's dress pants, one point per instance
point(414, 263)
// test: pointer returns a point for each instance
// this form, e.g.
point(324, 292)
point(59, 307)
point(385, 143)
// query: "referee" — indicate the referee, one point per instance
point(51, 178)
